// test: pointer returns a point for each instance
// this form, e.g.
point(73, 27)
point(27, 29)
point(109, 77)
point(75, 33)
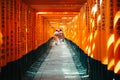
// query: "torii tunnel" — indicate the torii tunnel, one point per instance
point(90, 49)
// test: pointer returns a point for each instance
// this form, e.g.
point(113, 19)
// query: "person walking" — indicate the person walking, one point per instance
point(55, 36)
point(61, 36)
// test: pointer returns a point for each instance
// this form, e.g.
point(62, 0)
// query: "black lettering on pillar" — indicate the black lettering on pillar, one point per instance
point(118, 23)
point(3, 31)
point(95, 19)
point(99, 24)
point(111, 17)
point(103, 16)
point(118, 27)
point(118, 5)
point(87, 18)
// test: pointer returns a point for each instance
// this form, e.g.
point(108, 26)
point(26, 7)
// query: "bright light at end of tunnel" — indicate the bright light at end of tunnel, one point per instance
point(41, 12)
point(117, 67)
point(51, 13)
point(110, 41)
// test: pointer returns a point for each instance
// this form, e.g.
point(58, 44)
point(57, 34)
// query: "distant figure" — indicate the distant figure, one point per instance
point(55, 37)
point(61, 36)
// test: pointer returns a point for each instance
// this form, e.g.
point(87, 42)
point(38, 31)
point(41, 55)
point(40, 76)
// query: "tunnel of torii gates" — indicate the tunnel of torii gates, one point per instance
point(95, 29)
